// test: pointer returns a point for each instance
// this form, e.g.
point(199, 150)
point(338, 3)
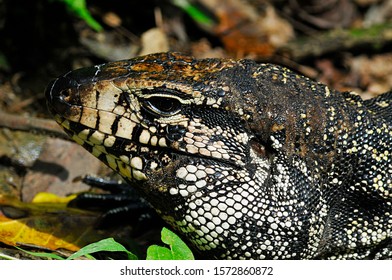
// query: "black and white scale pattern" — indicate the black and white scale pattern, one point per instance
point(244, 160)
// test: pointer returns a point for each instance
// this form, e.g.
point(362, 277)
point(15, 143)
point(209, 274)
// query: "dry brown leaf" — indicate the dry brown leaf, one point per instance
point(243, 30)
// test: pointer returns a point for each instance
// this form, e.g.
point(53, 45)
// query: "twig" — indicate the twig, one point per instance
point(32, 124)
point(373, 37)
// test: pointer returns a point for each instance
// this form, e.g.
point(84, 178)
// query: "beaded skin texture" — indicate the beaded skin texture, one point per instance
point(243, 160)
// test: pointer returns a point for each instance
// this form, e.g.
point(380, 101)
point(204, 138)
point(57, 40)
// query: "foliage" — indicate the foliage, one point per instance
point(193, 11)
point(108, 245)
point(79, 8)
point(178, 249)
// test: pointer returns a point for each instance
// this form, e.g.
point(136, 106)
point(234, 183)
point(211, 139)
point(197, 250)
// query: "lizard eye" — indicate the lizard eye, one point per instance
point(163, 106)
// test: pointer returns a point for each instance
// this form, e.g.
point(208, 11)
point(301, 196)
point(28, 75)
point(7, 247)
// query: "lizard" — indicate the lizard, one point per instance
point(244, 160)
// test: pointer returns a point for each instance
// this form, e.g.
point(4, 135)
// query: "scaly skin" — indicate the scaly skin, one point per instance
point(244, 160)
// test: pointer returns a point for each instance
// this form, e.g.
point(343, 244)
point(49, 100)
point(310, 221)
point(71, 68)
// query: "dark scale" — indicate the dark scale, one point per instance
point(243, 160)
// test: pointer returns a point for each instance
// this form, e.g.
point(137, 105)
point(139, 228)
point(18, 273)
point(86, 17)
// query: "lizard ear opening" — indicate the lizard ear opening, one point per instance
point(259, 149)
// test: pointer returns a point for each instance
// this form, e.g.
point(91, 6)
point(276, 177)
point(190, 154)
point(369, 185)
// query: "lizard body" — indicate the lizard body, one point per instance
point(244, 160)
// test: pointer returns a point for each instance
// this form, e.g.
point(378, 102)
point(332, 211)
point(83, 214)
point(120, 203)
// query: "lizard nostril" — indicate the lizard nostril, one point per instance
point(60, 88)
point(66, 95)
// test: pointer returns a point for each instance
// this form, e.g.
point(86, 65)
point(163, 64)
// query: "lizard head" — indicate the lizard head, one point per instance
point(141, 115)
point(188, 134)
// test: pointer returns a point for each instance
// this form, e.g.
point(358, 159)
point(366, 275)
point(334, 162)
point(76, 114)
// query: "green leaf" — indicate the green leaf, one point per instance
point(156, 252)
point(108, 244)
point(195, 13)
point(4, 65)
point(79, 8)
point(178, 249)
point(42, 255)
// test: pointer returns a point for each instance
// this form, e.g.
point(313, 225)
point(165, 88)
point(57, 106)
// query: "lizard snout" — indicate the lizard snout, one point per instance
point(58, 94)
point(63, 92)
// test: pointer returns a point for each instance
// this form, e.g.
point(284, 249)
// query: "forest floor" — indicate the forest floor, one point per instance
point(344, 44)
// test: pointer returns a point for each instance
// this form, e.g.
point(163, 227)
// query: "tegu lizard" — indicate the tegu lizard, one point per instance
point(243, 160)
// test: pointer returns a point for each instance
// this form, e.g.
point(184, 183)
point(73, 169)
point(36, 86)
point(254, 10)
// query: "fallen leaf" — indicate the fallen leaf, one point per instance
point(51, 226)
